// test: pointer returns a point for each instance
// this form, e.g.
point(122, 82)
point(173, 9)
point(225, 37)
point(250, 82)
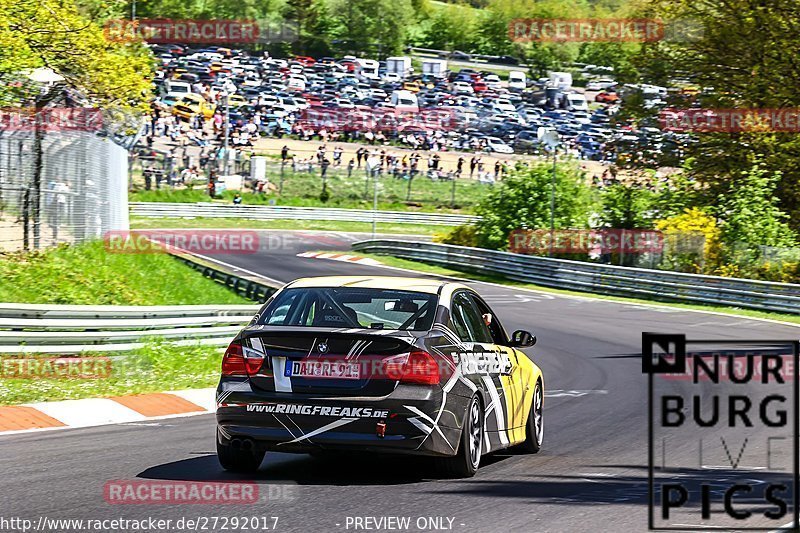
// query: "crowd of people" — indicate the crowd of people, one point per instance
point(378, 161)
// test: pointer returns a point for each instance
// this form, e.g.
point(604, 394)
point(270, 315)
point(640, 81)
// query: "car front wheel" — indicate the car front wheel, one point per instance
point(534, 428)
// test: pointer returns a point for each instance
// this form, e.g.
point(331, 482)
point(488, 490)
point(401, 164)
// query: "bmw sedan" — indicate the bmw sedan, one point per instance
point(378, 364)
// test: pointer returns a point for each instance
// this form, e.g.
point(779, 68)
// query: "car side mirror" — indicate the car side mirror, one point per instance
point(522, 339)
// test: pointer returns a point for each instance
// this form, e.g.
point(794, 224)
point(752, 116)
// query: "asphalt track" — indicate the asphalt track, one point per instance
point(591, 475)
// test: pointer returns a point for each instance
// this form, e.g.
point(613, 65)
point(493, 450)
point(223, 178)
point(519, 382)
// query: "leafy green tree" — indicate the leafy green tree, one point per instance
point(53, 34)
point(616, 55)
point(746, 51)
point(522, 200)
point(452, 28)
point(372, 26)
point(314, 25)
point(750, 213)
point(625, 206)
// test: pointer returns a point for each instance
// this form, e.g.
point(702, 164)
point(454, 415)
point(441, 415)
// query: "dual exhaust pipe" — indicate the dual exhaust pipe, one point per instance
point(243, 444)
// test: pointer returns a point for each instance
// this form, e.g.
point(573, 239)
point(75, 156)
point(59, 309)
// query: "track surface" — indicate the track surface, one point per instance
point(591, 475)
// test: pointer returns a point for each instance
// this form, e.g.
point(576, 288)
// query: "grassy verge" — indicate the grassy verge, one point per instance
point(303, 190)
point(433, 269)
point(87, 274)
point(154, 368)
point(323, 225)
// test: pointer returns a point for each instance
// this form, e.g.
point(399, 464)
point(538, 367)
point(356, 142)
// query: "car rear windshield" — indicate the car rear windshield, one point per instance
point(349, 307)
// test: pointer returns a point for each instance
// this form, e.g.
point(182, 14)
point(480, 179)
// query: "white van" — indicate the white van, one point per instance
point(516, 80)
point(576, 102)
point(399, 65)
point(367, 68)
point(434, 67)
point(561, 80)
point(405, 101)
point(176, 88)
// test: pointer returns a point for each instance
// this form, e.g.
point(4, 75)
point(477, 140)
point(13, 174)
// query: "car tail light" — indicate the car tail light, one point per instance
point(233, 361)
point(419, 368)
point(236, 363)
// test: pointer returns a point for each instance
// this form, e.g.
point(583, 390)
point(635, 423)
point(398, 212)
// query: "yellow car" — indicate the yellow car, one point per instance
point(412, 86)
point(387, 364)
point(236, 100)
point(193, 104)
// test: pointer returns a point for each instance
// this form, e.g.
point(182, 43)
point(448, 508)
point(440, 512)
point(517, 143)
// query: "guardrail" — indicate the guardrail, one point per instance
point(262, 212)
point(597, 278)
point(474, 58)
point(73, 329)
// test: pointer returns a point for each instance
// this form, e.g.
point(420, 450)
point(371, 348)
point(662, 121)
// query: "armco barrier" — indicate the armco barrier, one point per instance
point(256, 288)
point(262, 212)
point(597, 278)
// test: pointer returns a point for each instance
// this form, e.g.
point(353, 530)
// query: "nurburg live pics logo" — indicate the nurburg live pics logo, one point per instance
point(722, 433)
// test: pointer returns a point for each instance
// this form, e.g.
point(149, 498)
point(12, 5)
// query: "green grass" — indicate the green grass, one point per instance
point(322, 225)
point(154, 368)
point(303, 190)
point(88, 274)
point(443, 271)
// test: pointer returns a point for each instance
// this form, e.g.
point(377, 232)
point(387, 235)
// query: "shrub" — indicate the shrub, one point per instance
point(460, 236)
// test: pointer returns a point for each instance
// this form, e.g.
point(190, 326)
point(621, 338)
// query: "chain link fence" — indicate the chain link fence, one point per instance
point(59, 182)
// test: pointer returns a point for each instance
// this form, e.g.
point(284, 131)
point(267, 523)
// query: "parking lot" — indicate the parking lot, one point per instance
point(339, 103)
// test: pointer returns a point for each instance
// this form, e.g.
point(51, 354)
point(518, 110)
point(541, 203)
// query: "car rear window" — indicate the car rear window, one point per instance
point(350, 307)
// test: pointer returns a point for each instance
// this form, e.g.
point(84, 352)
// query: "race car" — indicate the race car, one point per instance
point(378, 364)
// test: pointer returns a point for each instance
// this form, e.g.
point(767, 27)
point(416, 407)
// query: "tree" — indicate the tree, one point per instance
point(522, 200)
point(314, 26)
point(452, 28)
point(626, 206)
point(376, 27)
point(747, 52)
point(750, 213)
point(51, 33)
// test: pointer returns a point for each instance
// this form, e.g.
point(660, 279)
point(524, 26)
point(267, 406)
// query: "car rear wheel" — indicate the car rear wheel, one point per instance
point(240, 457)
point(470, 448)
point(535, 426)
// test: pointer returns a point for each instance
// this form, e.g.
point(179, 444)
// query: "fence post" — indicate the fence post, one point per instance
point(38, 138)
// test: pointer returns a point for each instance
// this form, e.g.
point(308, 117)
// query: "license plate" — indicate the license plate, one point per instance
point(324, 369)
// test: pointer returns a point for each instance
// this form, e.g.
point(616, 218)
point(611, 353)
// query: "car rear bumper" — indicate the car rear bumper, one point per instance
point(414, 420)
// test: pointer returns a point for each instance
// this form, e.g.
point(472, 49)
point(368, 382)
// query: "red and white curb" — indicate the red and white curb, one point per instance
point(340, 257)
point(44, 416)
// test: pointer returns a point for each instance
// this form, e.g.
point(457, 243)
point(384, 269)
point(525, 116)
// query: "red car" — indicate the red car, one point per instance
point(606, 97)
point(305, 60)
point(479, 87)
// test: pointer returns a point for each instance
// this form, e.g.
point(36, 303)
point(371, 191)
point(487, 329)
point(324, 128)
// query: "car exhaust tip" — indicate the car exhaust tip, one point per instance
point(236, 444)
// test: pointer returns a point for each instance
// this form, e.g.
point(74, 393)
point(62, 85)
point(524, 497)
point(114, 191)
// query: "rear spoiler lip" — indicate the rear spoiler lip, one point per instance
point(300, 331)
